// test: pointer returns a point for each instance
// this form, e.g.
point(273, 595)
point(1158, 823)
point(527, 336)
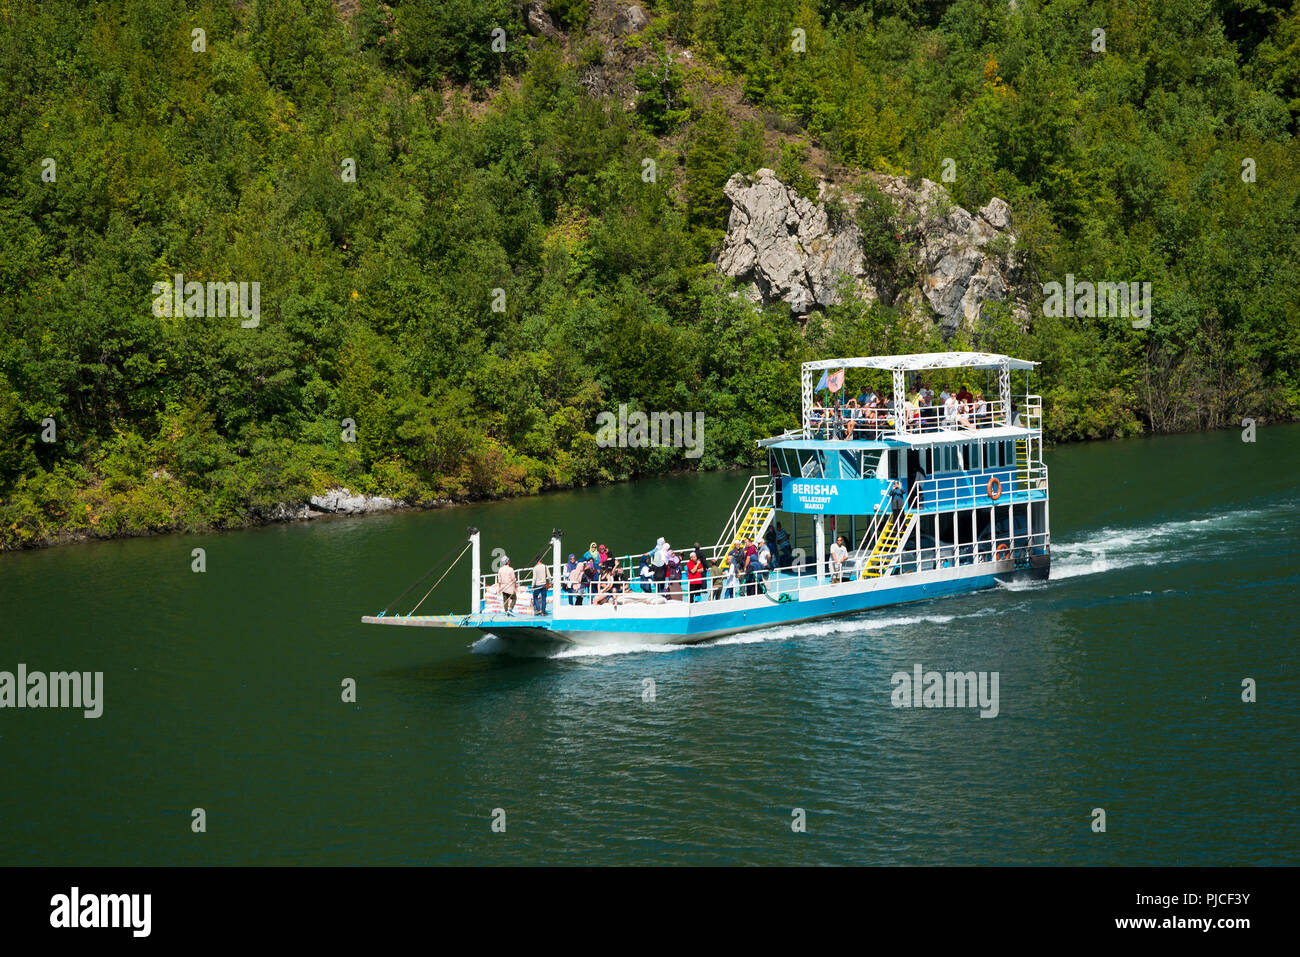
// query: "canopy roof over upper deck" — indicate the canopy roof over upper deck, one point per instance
point(924, 360)
point(999, 411)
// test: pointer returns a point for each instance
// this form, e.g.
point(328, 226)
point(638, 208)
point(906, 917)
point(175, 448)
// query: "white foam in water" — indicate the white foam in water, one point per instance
point(1024, 584)
point(1114, 548)
point(811, 629)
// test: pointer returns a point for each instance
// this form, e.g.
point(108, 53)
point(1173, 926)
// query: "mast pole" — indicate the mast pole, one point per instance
point(556, 589)
point(475, 561)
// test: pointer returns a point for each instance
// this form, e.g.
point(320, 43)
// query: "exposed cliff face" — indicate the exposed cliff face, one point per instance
point(786, 248)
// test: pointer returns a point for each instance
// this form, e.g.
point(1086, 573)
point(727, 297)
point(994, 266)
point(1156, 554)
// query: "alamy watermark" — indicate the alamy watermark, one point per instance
point(1087, 300)
point(952, 689)
point(181, 298)
point(637, 430)
point(75, 909)
point(58, 689)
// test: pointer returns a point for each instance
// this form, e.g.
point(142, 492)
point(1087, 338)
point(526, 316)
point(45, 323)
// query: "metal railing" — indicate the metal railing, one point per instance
point(878, 519)
point(882, 526)
point(846, 423)
point(781, 585)
point(759, 493)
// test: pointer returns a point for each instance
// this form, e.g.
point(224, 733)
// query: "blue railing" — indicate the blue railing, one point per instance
point(972, 489)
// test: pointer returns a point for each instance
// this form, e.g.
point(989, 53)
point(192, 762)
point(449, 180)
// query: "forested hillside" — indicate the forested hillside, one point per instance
point(462, 249)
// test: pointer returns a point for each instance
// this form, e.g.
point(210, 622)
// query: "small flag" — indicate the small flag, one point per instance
point(821, 383)
point(836, 381)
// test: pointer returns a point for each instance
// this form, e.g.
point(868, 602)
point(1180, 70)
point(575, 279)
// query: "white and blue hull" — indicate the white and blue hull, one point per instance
point(676, 622)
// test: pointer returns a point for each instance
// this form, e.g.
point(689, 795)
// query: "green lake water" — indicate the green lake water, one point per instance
point(1175, 574)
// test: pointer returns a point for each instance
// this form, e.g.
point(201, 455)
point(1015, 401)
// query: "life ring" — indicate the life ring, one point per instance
point(1001, 552)
point(994, 489)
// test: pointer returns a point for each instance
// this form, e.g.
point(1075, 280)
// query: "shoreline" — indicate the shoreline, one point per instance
point(341, 503)
point(358, 505)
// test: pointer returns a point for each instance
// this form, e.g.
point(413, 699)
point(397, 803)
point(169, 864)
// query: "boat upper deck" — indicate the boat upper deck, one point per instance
point(910, 417)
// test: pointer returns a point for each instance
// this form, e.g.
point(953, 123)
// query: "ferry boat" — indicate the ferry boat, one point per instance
point(932, 501)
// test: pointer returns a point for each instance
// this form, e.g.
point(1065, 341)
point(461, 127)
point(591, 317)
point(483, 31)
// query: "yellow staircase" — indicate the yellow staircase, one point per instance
point(753, 524)
point(882, 556)
point(1032, 419)
point(752, 514)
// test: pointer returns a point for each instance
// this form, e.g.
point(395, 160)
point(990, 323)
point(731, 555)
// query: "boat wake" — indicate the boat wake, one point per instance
point(492, 645)
point(1109, 549)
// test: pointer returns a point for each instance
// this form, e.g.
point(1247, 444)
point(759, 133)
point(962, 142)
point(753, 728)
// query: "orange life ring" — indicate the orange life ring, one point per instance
point(1001, 552)
point(994, 489)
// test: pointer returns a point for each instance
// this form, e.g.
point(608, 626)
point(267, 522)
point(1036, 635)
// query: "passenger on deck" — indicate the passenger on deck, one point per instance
point(950, 405)
point(784, 552)
point(700, 557)
point(764, 566)
point(695, 576)
point(730, 581)
point(659, 564)
point(924, 413)
point(540, 577)
point(896, 501)
point(839, 554)
point(569, 566)
point(576, 574)
point(509, 583)
point(964, 415)
point(751, 567)
point(646, 577)
point(911, 414)
point(673, 575)
point(979, 411)
point(736, 555)
point(607, 589)
point(604, 588)
point(590, 575)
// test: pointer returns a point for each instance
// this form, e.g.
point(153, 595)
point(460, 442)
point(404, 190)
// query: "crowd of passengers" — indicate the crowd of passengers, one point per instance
point(869, 413)
point(596, 577)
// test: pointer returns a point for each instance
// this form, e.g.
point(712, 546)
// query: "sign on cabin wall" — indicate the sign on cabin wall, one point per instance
point(831, 496)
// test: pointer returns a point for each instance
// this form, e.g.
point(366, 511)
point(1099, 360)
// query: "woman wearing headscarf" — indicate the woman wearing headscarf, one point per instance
point(567, 584)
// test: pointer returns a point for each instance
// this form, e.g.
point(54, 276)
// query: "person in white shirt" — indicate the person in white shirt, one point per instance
point(509, 583)
point(950, 406)
point(764, 565)
point(730, 582)
point(540, 577)
point(839, 553)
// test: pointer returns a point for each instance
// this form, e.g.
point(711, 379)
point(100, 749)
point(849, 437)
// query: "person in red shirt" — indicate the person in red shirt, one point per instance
point(695, 576)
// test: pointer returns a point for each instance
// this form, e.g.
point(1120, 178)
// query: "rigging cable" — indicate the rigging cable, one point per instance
point(389, 606)
point(440, 578)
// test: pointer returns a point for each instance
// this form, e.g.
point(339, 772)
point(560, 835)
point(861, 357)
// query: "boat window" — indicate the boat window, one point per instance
point(946, 459)
point(871, 462)
point(850, 464)
point(810, 463)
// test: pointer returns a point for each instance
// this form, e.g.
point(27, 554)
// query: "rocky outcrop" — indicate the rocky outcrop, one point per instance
point(538, 21)
point(285, 513)
point(783, 247)
point(630, 20)
point(340, 501)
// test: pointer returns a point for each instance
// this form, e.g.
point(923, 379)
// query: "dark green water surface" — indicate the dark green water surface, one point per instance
point(1175, 577)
